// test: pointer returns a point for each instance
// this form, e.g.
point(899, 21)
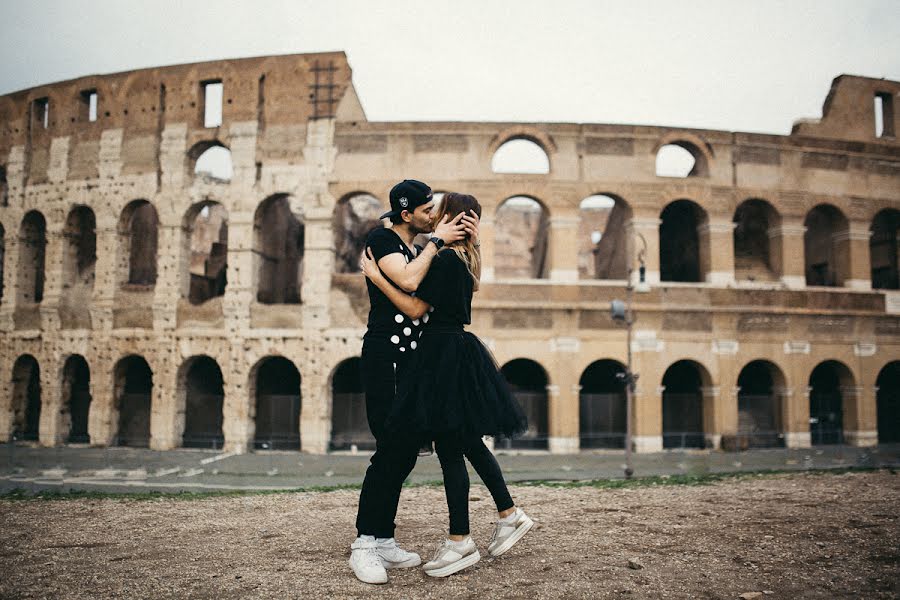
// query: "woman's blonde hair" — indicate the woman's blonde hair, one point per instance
point(452, 204)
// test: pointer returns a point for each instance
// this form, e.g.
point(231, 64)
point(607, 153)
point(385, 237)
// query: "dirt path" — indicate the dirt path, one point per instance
point(796, 536)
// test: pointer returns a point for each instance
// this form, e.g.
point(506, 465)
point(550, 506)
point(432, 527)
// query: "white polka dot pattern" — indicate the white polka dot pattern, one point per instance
point(399, 318)
point(395, 339)
point(407, 331)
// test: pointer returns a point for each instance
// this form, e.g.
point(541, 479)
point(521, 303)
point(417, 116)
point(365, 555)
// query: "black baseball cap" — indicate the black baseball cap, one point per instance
point(408, 195)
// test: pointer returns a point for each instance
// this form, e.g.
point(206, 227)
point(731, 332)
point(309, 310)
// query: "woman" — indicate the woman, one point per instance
point(454, 393)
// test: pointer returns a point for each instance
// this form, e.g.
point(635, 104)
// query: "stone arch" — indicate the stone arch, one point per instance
point(755, 251)
point(204, 251)
point(355, 215)
point(521, 155)
point(78, 265)
point(26, 399)
point(887, 398)
point(831, 383)
point(278, 241)
point(681, 245)
point(138, 233)
point(825, 246)
point(201, 396)
point(529, 382)
point(349, 423)
point(132, 401)
point(210, 160)
point(276, 398)
point(603, 241)
point(761, 386)
point(523, 132)
point(32, 250)
point(76, 400)
point(602, 405)
point(521, 238)
point(673, 146)
point(683, 408)
point(883, 249)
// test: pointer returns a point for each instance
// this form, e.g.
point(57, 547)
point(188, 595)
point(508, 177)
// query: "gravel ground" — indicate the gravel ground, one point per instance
point(784, 536)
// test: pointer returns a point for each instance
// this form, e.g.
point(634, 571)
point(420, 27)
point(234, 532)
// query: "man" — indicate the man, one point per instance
point(390, 339)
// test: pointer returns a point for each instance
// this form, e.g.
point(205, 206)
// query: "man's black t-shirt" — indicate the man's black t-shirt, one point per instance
point(386, 320)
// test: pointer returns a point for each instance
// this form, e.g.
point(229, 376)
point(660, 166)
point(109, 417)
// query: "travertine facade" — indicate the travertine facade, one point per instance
point(760, 264)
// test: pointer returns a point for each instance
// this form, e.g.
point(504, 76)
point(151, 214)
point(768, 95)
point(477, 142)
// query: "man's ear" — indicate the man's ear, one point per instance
point(406, 216)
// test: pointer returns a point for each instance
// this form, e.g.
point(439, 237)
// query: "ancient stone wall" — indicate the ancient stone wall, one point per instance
point(103, 259)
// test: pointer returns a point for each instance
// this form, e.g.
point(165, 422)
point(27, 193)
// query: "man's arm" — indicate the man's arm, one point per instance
point(411, 306)
point(408, 275)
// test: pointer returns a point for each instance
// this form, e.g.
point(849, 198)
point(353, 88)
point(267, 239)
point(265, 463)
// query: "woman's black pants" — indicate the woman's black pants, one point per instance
point(450, 452)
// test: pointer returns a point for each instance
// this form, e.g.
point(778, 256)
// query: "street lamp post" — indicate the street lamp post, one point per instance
point(622, 311)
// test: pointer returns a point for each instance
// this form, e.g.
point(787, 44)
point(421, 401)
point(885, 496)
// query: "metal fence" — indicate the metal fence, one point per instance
point(277, 422)
point(602, 420)
point(349, 425)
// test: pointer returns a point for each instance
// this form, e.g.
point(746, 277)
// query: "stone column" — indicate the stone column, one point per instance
point(106, 270)
point(166, 405)
point(787, 251)
point(318, 265)
point(53, 259)
point(716, 240)
point(796, 418)
point(560, 439)
point(852, 258)
point(563, 246)
point(166, 292)
point(315, 414)
point(10, 285)
point(101, 427)
point(648, 229)
point(712, 416)
point(236, 422)
point(49, 433)
point(239, 293)
point(860, 415)
point(647, 418)
point(486, 237)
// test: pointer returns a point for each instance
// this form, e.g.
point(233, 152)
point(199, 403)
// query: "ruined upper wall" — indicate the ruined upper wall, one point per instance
point(277, 93)
point(849, 111)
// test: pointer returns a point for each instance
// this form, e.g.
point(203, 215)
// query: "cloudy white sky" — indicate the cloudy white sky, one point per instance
point(734, 65)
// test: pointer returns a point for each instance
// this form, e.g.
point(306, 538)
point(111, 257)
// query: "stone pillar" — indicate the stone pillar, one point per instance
point(647, 418)
point(166, 292)
point(101, 424)
point(648, 229)
point(560, 421)
point(486, 238)
point(106, 274)
point(318, 265)
point(716, 241)
point(239, 293)
point(852, 258)
point(796, 418)
point(787, 251)
point(315, 414)
point(49, 433)
point(10, 284)
point(236, 409)
point(53, 259)
point(563, 246)
point(712, 416)
point(167, 405)
point(860, 415)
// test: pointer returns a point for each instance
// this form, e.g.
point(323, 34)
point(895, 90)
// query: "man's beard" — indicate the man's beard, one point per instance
point(428, 227)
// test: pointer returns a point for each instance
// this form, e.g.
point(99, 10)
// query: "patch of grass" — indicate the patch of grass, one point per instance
point(610, 484)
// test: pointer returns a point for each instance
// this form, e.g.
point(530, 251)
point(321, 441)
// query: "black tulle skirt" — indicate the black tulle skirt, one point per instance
point(453, 386)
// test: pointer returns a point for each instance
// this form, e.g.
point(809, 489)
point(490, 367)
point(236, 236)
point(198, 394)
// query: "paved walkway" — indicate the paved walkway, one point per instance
point(139, 470)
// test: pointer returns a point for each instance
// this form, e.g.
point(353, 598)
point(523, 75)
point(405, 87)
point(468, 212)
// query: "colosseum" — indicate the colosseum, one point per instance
point(179, 246)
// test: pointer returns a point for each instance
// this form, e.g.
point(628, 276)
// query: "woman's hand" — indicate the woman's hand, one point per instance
point(369, 267)
point(471, 222)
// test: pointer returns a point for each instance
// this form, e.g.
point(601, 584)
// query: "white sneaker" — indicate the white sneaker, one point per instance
point(452, 557)
point(509, 531)
point(366, 563)
point(394, 557)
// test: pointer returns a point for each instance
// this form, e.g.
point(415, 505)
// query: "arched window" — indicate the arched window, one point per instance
point(79, 259)
point(138, 238)
point(205, 246)
point(601, 405)
point(883, 246)
point(529, 381)
point(828, 383)
point(520, 155)
point(681, 159)
point(349, 424)
point(132, 398)
point(212, 162)
point(825, 248)
point(760, 386)
point(76, 404)
point(276, 385)
point(521, 239)
point(888, 403)
point(603, 244)
point(4, 188)
point(754, 258)
point(278, 242)
point(679, 242)
point(201, 397)
point(682, 401)
point(32, 247)
point(26, 398)
point(355, 215)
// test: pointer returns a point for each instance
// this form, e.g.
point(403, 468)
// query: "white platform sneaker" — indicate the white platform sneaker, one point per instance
point(365, 562)
point(452, 557)
point(394, 557)
point(509, 530)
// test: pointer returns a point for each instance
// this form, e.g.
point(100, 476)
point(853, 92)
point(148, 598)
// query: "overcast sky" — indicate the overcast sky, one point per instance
point(734, 65)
